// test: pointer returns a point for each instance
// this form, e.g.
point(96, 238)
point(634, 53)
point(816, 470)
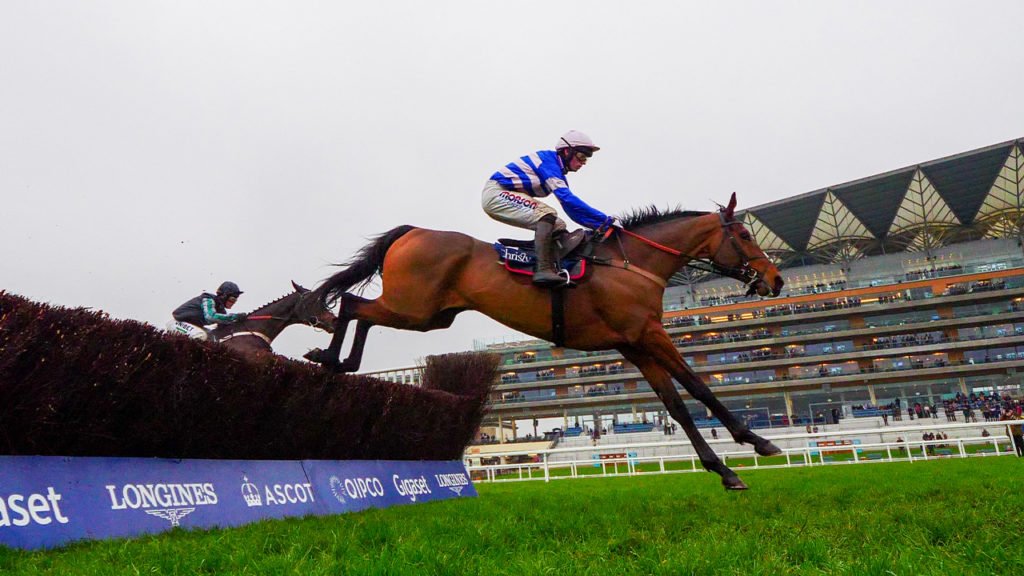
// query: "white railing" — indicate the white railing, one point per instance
point(624, 464)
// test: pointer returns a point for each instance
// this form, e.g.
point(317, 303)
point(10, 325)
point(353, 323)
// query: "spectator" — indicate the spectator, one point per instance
point(714, 434)
point(1015, 431)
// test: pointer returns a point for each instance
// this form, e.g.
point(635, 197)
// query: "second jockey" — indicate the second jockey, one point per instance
point(511, 196)
point(191, 317)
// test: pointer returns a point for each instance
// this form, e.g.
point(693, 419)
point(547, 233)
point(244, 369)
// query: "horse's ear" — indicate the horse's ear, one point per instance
point(298, 288)
point(731, 207)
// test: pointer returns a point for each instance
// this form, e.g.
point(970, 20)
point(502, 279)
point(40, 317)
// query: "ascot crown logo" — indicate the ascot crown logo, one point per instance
point(250, 493)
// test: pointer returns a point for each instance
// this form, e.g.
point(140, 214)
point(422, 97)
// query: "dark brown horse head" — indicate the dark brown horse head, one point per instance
point(739, 254)
point(311, 310)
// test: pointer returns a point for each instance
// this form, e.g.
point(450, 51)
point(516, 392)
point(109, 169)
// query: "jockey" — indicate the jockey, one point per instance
point(511, 194)
point(191, 317)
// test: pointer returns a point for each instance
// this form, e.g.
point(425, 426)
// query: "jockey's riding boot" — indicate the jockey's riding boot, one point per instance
point(544, 246)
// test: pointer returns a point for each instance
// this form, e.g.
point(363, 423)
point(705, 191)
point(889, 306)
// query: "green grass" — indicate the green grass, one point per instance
point(941, 517)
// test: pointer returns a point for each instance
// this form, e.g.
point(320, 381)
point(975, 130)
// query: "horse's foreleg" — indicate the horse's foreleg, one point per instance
point(659, 344)
point(355, 355)
point(332, 354)
point(661, 383)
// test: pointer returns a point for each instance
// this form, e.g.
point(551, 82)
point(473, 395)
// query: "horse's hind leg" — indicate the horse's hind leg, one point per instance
point(661, 383)
point(355, 355)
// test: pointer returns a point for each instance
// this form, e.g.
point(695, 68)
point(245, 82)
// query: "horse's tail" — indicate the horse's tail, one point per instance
point(363, 267)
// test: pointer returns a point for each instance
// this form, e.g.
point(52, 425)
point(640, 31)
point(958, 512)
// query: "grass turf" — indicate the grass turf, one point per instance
point(940, 517)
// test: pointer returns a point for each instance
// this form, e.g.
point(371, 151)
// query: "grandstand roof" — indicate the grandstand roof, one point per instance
point(918, 208)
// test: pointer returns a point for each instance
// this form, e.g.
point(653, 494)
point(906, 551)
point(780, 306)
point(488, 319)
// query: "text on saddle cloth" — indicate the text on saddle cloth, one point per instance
point(522, 260)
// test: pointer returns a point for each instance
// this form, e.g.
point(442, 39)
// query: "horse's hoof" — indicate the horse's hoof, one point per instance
point(733, 483)
point(317, 356)
point(345, 367)
point(761, 446)
point(766, 448)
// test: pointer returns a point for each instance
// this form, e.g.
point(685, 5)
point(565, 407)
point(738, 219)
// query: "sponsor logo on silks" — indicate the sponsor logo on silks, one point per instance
point(20, 510)
point(411, 487)
point(356, 488)
point(454, 482)
point(516, 256)
point(518, 200)
point(171, 502)
point(276, 494)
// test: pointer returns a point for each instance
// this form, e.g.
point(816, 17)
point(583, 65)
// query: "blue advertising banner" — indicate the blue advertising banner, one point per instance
point(48, 501)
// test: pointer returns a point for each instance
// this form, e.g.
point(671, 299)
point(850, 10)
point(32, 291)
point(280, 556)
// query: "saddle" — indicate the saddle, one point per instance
point(518, 257)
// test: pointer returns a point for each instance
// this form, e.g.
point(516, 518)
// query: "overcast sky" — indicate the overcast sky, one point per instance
point(149, 150)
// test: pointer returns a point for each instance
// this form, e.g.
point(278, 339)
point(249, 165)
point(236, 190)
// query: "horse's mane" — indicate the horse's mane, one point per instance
point(652, 215)
point(272, 302)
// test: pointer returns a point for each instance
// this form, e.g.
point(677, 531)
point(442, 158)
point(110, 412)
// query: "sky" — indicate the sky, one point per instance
point(151, 150)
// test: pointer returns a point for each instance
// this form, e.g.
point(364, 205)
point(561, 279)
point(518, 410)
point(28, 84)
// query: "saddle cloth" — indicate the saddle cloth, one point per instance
point(518, 257)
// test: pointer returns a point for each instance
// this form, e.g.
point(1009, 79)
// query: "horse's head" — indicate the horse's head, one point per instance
point(739, 256)
point(311, 310)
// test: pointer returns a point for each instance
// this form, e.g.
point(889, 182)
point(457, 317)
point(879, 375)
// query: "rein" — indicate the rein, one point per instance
point(744, 272)
point(650, 242)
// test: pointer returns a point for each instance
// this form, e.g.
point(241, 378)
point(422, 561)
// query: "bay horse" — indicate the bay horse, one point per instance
point(252, 336)
point(428, 277)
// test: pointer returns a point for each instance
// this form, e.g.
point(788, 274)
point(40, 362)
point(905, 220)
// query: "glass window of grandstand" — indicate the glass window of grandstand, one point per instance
point(747, 377)
point(509, 378)
point(819, 348)
point(593, 370)
point(900, 318)
point(684, 340)
point(823, 370)
point(821, 407)
point(1001, 354)
point(815, 328)
point(1012, 385)
point(901, 340)
point(760, 411)
point(919, 293)
point(908, 393)
point(982, 309)
point(974, 287)
point(602, 389)
point(529, 356)
point(732, 357)
point(993, 331)
point(936, 360)
point(548, 374)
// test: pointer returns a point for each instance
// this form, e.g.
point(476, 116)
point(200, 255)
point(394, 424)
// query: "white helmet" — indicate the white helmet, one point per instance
point(575, 139)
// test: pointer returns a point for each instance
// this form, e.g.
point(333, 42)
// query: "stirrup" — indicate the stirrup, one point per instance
point(547, 281)
point(566, 278)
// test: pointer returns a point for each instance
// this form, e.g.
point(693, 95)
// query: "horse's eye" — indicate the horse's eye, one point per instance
point(746, 236)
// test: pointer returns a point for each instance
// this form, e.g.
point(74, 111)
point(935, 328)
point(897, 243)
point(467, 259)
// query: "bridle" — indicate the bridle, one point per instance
point(313, 321)
point(745, 273)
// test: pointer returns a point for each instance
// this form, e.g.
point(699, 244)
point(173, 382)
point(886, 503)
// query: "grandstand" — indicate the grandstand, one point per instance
point(904, 290)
